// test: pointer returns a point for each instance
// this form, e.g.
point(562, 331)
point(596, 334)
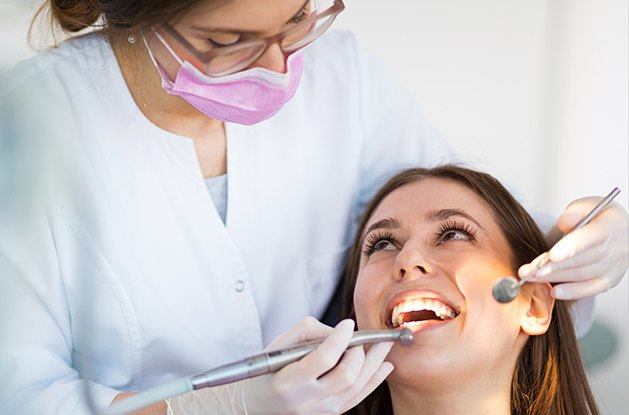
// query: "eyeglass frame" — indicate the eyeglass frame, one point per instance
point(206, 57)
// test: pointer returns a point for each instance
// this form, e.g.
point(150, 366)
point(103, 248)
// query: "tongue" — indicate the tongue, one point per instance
point(419, 315)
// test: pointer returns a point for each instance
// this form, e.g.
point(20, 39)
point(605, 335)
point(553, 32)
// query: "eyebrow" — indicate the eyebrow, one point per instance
point(432, 216)
point(444, 214)
point(241, 31)
point(388, 223)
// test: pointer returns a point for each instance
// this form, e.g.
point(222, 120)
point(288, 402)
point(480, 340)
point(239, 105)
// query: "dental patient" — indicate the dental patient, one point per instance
point(429, 248)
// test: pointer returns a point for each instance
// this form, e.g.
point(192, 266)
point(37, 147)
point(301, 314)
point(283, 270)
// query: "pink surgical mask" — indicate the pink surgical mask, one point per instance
point(247, 97)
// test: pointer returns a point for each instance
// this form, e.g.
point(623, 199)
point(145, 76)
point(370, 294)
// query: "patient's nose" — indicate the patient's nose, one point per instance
point(412, 262)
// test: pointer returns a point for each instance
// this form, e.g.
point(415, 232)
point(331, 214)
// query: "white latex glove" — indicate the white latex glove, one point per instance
point(591, 259)
point(330, 380)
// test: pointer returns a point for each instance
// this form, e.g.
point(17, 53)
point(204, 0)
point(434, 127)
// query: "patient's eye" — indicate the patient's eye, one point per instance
point(455, 231)
point(382, 245)
point(377, 241)
point(454, 235)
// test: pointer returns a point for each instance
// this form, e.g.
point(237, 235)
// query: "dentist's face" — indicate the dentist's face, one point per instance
point(431, 254)
point(213, 24)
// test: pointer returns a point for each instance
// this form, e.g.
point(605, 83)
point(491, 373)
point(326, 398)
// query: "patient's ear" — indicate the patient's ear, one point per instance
point(538, 303)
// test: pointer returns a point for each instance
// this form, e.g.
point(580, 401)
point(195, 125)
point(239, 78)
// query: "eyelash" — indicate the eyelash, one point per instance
point(448, 226)
point(300, 16)
point(374, 238)
point(221, 45)
point(455, 226)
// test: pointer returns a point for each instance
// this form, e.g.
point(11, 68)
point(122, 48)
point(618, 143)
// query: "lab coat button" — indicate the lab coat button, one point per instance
point(240, 285)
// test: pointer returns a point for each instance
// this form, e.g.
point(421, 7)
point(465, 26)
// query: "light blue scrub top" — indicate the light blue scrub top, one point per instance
point(217, 187)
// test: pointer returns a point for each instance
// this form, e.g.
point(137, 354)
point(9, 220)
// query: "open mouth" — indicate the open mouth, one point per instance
point(417, 312)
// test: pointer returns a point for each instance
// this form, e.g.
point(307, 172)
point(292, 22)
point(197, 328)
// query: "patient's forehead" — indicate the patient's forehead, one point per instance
point(413, 200)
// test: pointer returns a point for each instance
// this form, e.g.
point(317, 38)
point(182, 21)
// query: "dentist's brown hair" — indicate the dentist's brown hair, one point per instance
point(549, 377)
point(113, 17)
point(76, 15)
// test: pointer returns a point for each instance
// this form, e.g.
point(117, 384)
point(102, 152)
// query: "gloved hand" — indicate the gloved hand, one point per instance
point(589, 260)
point(330, 380)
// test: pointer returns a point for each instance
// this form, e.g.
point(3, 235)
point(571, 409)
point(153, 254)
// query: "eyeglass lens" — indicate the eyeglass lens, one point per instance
point(298, 37)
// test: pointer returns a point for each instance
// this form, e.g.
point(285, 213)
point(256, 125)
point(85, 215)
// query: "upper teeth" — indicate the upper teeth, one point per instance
point(440, 309)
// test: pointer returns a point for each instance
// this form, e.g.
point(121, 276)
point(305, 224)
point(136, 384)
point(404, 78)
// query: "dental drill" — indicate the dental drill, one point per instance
point(507, 288)
point(247, 368)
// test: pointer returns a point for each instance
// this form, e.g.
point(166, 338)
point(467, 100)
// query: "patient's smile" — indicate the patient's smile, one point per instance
point(418, 309)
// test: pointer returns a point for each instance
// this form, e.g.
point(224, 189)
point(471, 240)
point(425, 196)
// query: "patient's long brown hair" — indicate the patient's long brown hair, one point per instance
point(549, 377)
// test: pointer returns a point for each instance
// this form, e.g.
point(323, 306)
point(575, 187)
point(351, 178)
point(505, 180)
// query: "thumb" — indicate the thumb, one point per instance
point(576, 211)
point(308, 329)
point(381, 374)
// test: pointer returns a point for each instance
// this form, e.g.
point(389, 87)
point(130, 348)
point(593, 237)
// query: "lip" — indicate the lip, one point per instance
point(419, 294)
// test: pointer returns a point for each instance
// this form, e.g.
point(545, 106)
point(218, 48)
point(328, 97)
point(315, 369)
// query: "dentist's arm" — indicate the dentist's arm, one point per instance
point(36, 376)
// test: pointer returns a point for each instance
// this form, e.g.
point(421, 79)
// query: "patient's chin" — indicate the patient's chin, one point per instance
point(436, 368)
point(427, 368)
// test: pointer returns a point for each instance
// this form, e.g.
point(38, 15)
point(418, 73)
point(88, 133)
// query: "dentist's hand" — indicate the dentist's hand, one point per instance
point(590, 260)
point(330, 380)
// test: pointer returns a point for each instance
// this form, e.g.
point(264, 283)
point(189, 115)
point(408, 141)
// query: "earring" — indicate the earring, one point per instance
point(131, 39)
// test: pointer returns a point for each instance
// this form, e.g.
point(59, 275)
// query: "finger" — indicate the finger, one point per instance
point(381, 374)
point(345, 373)
point(569, 220)
point(308, 328)
point(328, 353)
point(579, 240)
point(588, 257)
point(526, 269)
point(531, 267)
point(576, 290)
point(373, 360)
point(575, 211)
point(586, 272)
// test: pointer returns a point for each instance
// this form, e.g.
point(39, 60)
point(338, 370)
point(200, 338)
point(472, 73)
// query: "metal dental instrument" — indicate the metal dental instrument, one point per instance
point(250, 367)
point(507, 288)
point(273, 361)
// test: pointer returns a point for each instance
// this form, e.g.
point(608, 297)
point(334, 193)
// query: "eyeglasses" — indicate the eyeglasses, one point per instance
point(226, 60)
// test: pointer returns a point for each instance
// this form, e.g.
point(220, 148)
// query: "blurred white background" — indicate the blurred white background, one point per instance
point(533, 91)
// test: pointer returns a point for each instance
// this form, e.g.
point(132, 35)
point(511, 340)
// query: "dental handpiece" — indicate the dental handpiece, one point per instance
point(250, 367)
point(507, 288)
point(270, 362)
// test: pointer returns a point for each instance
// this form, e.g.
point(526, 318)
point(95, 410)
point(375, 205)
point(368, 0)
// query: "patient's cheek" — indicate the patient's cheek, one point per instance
point(476, 283)
point(364, 295)
point(479, 274)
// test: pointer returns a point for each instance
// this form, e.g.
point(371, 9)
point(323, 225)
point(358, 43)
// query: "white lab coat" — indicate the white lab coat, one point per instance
point(130, 278)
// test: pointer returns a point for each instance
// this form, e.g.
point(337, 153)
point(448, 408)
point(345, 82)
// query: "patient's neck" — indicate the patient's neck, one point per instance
point(482, 396)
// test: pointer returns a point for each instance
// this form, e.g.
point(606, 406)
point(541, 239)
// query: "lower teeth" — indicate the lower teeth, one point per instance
point(417, 322)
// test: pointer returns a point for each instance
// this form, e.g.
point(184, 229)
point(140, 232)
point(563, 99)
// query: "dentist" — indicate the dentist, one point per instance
point(219, 152)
